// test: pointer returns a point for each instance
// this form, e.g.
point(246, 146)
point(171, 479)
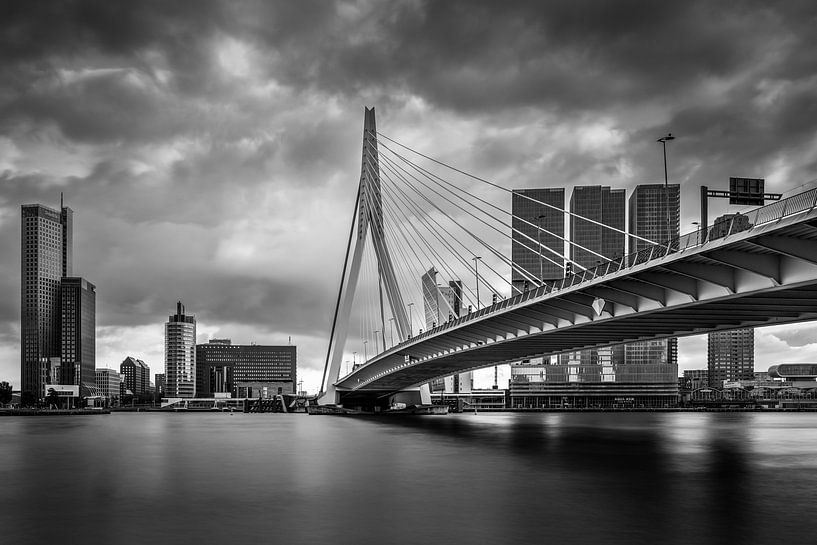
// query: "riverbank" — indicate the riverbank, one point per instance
point(51, 412)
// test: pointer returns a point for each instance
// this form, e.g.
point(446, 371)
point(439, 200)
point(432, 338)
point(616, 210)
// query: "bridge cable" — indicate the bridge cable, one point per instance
point(420, 214)
point(490, 248)
point(431, 176)
point(520, 194)
point(513, 229)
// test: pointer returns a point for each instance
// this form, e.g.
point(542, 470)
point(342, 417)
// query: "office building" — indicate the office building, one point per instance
point(600, 385)
point(534, 223)
point(696, 378)
point(160, 384)
point(442, 303)
point(180, 354)
point(46, 257)
point(655, 212)
point(135, 376)
point(78, 333)
point(245, 370)
point(594, 242)
point(108, 383)
point(730, 356)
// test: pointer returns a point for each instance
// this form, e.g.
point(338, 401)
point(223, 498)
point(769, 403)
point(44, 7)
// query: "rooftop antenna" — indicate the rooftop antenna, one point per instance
point(290, 340)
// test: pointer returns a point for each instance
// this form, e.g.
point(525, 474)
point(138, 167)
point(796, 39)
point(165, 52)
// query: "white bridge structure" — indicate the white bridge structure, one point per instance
point(761, 270)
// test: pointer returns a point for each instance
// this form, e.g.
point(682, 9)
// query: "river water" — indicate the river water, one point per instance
point(487, 478)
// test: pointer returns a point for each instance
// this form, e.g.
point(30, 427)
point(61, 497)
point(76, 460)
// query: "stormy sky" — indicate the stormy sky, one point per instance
point(211, 150)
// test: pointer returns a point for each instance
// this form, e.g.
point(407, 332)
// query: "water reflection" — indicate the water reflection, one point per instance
point(570, 478)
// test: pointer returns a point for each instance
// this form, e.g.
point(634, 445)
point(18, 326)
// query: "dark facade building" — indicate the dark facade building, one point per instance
point(160, 384)
point(47, 257)
point(78, 333)
point(731, 356)
point(135, 376)
point(655, 214)
point(529, 216)
point(605, 206)
point(244, 370)
point(180, 354)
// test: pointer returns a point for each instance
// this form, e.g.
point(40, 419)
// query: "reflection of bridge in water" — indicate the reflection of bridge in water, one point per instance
point(761, 271)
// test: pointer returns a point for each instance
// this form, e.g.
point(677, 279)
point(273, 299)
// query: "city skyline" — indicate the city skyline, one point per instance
point(213, 162)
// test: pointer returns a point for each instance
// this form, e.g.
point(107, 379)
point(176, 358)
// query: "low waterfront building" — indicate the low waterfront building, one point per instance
point(108, 383)
point(576, 385)
point(245, 370)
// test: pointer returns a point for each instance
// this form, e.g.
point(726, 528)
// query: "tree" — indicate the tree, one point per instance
point(28, 399)
point(5, 393)
point(52, 398)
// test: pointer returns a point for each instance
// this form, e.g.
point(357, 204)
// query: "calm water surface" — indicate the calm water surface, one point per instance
point(500, 478)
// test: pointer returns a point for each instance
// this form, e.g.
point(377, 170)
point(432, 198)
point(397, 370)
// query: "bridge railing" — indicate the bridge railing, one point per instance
point(791, 206)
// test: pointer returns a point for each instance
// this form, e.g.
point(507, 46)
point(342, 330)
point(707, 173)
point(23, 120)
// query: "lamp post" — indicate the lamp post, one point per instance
point(539, 240)
point(376, 344)
point(663, 140)
point(411, 327)
point(476, 259)
point(365, 355)
point(391, 331)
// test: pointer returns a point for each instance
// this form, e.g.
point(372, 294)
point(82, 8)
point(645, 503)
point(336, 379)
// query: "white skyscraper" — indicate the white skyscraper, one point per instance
point(180, 354)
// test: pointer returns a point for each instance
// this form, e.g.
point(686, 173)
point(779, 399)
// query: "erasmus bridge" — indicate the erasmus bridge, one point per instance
point(411, 221)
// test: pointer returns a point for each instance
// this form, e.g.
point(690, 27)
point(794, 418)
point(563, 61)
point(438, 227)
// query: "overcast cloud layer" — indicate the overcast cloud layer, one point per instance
point(210, 150)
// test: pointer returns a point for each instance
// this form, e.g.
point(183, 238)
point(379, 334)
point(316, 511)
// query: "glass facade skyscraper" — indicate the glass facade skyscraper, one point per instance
point(47, 257)
point(180, 354)
point(78, 333)
point(651, 206)
point(654, 208)
point(606, 207)
point(528, 216)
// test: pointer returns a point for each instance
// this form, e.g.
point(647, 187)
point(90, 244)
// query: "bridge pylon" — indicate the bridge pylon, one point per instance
point(369, 218)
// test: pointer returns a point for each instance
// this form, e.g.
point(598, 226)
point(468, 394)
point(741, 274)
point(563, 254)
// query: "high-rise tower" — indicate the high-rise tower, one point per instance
point(78, 333)
point(650, 205)
point(606, 207)
point(537, 222)
point(180, 354)
point(730, 355)
point(47, 256)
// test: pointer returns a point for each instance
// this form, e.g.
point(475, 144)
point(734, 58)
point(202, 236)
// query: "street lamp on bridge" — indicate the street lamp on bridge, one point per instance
point(476, 260)
point(663, 140)
point(411, 327)
point(539, 240)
